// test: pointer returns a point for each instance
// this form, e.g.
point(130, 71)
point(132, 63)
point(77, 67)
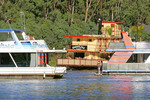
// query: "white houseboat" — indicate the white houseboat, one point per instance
point(128, 57)
point(25, 57)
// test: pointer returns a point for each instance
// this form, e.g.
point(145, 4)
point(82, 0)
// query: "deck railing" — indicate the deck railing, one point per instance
point(78, 62)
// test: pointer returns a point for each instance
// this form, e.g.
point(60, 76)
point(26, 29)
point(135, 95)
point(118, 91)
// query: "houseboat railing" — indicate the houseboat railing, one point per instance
point(78, 62)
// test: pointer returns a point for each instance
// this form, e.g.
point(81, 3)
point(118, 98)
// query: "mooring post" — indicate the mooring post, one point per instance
point(98, 72)
point(99, 69)
point(44, 75)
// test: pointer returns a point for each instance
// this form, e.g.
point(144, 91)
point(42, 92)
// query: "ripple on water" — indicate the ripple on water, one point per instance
point(78, 85)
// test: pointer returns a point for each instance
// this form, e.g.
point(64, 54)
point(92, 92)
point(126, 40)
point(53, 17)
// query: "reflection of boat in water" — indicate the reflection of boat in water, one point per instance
point(22, 56)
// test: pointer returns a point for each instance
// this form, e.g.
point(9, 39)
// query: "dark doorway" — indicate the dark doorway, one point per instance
point(78, 55)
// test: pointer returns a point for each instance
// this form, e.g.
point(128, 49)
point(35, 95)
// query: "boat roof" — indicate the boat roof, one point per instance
point(32, 51)
point(114, 22)
point(9, 30)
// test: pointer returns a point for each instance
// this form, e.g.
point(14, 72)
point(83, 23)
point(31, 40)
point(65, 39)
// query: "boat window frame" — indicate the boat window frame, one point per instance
point(17, 34)
point(90, 40)
point(7, 37)
point(78, 39)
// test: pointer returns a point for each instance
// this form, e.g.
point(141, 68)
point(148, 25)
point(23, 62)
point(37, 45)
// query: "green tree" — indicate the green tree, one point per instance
point(51, 20)
point(137, 29)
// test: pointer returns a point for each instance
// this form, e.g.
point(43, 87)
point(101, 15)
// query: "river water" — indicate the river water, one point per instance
point(77, 85)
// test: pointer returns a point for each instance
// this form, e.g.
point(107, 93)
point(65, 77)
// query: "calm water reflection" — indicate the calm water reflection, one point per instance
point(78, 85)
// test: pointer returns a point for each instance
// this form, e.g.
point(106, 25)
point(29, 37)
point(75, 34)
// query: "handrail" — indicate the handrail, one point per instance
point(78, 62)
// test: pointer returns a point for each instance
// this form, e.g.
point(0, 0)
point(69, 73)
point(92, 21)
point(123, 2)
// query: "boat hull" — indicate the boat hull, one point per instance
point(31, 72)
point(126, 68)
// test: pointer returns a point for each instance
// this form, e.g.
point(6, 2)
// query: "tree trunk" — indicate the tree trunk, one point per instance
point(86, 15)
point(94, 10)
point(69, 10)
point(86, 11)
point(54, 5)
point(112, 16)
point(88, 5)
point(45, 12)
point(2, 2)
point(72, 11)
point(101, 7)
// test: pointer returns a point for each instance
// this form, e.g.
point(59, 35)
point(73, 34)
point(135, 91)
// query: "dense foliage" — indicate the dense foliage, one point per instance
point(51, 20)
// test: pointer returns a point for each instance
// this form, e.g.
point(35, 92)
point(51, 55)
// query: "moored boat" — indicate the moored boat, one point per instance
point(87, 50)
point(128, 57)
point(22, 56)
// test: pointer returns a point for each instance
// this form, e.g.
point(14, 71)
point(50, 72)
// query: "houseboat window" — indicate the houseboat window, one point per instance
point(6, 36)
point(112, 25)
point(119, 27)
point(78, 39)
point(90, 40)
point(78, 55)
point(22, 59)
point(19, 35)
point(5, 60)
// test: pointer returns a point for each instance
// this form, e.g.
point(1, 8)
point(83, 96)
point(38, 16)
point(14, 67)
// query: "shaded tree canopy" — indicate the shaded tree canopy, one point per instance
point(51, 20)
